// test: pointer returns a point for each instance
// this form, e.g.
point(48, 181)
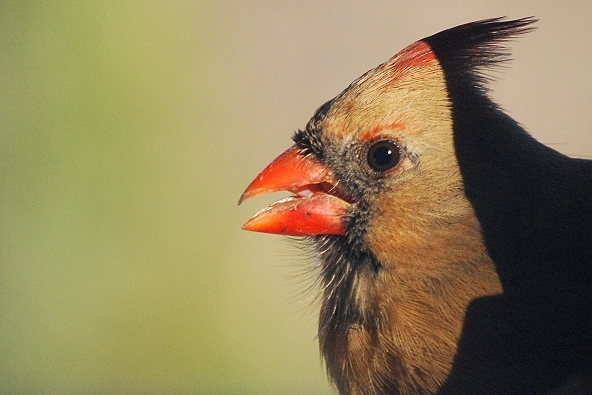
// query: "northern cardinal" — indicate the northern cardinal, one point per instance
point(455, 250)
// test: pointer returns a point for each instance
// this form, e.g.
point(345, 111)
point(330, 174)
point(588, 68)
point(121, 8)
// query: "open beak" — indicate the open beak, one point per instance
point(319, 207)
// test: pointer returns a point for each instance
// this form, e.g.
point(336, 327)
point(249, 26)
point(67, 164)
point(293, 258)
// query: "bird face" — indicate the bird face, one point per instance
point(380, 199)
point(379, 142)
point(375, 165)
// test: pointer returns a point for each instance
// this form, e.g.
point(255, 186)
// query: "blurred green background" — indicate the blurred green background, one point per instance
point(128, 130)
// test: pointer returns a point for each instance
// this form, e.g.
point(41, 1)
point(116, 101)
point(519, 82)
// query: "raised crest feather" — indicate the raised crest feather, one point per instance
point(468, 49)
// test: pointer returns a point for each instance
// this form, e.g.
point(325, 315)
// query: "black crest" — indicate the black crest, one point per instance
point(467, 50)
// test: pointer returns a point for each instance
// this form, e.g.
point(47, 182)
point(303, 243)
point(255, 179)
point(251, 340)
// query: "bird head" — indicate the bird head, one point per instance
point(378, 194)
point(375, 165)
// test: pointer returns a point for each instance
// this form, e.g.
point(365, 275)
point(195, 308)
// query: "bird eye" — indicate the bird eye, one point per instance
point(383, 155)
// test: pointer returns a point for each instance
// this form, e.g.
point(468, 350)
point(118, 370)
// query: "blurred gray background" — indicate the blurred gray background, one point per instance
point(128, 130)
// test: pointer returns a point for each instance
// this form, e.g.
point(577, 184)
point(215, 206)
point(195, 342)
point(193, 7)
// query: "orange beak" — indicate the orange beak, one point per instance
point(319, 207)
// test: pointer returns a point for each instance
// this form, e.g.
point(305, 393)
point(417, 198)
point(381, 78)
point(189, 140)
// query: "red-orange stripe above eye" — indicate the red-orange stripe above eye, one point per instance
point(374, 132)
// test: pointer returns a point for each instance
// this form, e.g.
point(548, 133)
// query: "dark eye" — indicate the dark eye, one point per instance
point(383, 155)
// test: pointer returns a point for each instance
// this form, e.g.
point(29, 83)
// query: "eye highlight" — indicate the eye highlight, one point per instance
point(383, 155)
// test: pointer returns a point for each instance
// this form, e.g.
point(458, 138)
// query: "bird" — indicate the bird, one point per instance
point(454, 249)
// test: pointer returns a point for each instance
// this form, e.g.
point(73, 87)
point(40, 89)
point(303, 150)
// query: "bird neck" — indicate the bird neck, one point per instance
point(393, 327)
